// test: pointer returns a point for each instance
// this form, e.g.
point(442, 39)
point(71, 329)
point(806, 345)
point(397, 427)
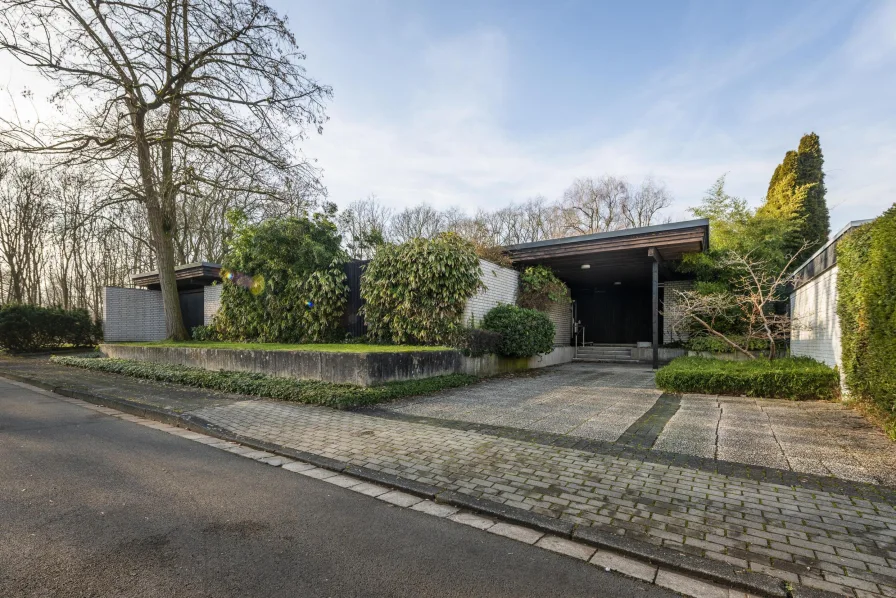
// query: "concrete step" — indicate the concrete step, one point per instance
point(604, 352)
point(602, 360)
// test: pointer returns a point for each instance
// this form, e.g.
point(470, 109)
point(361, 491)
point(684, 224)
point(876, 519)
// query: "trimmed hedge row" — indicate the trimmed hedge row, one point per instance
point(25, 328)
point(799, 378)
point(313, 392)
point(866, 306)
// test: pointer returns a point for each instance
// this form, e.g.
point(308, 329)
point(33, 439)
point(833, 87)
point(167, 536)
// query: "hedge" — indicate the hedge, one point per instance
point(524, 332)
point(26, 328)
point(312, 392)
point(866, 306)
point(799, 378)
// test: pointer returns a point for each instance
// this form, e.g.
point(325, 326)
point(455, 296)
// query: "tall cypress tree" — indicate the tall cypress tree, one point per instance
point(797, 191)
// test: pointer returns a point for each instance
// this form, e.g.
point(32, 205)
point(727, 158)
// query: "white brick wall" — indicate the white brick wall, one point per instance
point(816, 330)
point(561, 315)
point(670, 311)
point(501, 287)
point(211, 302)
point(132, 315)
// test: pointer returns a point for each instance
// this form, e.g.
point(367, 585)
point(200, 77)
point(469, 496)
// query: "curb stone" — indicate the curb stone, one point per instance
point(697, 567)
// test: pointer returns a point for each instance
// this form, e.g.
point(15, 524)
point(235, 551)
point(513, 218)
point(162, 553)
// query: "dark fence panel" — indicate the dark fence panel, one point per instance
point(352, 319)
point(192, 308)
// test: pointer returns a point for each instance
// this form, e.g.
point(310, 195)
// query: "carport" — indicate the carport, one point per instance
point(616, 277)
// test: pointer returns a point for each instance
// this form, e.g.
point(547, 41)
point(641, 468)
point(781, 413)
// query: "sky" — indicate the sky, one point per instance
point(480, 104)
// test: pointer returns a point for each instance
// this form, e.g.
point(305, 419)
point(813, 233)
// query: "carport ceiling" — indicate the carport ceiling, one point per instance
point(617, 256)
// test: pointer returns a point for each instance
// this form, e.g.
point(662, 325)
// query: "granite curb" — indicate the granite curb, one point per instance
point(698, 567)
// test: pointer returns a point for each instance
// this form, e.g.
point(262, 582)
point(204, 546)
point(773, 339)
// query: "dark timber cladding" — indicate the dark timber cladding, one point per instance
point(615, 277)
point(188, 276)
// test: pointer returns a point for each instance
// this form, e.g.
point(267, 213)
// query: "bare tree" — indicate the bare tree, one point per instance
point(162, 88)
point(25, 221)
point(594, 206)
point(363, 226)
point(755, 291)
point(640, 207)
point(422, 221)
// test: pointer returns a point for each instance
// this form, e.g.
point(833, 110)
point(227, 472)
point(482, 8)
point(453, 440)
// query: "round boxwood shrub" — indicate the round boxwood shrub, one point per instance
point(524, 332)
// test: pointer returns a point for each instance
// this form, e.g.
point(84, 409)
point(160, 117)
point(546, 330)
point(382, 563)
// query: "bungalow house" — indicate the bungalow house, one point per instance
point(620, 281)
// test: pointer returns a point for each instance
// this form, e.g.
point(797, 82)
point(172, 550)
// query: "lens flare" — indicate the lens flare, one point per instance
point(309, 304)
point(256, 287)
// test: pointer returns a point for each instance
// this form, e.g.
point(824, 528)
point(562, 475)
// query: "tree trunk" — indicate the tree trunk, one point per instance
point(161, 226)
point(174, 322)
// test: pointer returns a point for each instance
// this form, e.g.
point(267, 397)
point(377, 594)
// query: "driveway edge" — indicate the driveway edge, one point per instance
point(697, 567)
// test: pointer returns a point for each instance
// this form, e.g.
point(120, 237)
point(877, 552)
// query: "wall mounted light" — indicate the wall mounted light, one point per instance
point(586, 266)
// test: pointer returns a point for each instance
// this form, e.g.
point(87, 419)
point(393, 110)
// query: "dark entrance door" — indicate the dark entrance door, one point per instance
point(615, 314)
point(192, 307)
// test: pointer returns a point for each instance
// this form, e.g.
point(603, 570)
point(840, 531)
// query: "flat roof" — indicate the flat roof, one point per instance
point(192, 275)
point(613, 234)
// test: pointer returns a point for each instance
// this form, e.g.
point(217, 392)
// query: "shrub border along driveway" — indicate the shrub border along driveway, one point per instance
point(312, 392)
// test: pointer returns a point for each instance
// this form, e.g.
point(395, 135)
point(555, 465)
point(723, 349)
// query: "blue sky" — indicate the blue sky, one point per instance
point(479, 104)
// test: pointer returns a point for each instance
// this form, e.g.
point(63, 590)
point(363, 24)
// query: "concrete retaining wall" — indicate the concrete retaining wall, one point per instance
point(365, 369)
point(132, 315)
point(645, 354)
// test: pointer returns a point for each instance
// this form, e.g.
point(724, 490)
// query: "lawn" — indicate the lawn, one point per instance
point(320, 347)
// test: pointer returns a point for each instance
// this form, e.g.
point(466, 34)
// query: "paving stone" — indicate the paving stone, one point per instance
point(343, 481)
point(627, 566)
point(298, 466)
point(689, 586)
point(472, 520)
point(370, 489)
point(567, 547)
point(317, 473)
point(402, 499)
point(516, 532)
point(436, 509)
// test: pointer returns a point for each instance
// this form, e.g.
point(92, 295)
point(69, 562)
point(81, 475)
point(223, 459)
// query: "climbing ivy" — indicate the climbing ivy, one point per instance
point(539, 288)
point(416, 292)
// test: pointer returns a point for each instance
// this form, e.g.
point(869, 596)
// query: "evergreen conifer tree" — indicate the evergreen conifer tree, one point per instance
point(797, 192)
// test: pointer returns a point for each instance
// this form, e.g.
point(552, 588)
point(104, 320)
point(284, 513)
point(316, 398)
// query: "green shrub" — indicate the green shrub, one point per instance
point(476, 342)
point(524, 332)
point(416, 292)
point(283, 282)
point(786, 378)
point(26, 328)
point(713, 344)
point(285, 389)
point(539, 288)
point(203, 333)
point(866, 305)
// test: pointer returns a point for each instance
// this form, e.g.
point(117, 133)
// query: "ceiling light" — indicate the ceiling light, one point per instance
point(617, 283)
point(585, 266)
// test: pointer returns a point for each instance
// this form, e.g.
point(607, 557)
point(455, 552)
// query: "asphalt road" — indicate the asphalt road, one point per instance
point(94, 506)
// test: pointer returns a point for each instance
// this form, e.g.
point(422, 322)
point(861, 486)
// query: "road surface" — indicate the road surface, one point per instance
point(94, 506)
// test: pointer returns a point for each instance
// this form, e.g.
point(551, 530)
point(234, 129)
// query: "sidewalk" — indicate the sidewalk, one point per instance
point(811, 532)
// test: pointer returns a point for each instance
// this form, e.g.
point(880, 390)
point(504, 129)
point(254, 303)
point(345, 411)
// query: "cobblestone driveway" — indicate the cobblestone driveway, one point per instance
point(841, 541)
point(602, 402)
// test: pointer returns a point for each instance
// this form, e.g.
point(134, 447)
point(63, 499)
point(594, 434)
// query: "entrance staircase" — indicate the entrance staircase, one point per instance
point(605, 353)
